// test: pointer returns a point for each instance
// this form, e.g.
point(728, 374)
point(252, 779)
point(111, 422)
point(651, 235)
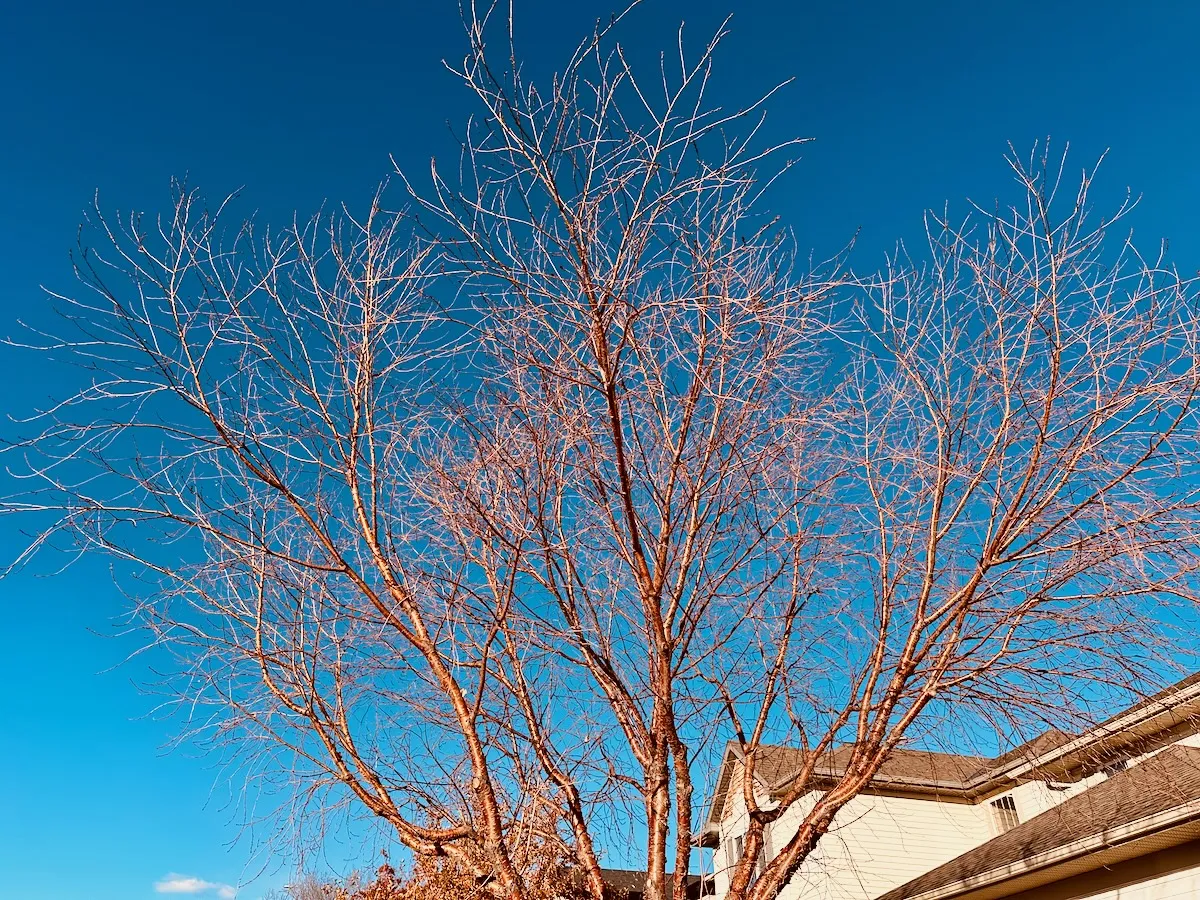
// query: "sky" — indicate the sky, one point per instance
point(909, 105)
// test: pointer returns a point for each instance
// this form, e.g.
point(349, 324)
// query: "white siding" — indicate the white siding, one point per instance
point(1035, 797)
point(1191, 740)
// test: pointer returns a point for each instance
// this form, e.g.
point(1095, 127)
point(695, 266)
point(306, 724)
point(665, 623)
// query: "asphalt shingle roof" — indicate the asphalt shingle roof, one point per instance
point(904, 764)
point(775, 765)
point(1165, 781)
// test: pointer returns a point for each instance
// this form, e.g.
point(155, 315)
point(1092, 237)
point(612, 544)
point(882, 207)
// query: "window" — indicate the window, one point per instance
point(759, 865)
point(735, 849)
point(733, 852)
point(1004, 813)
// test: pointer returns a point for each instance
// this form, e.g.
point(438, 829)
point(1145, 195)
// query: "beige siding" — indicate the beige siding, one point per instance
point(1191, 740)
point(1164, 887)
point(733, 824)
point(1035, 797)
point(1170, 874)
point(878, 843)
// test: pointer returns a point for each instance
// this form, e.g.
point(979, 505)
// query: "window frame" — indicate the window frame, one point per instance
point(1005, 814)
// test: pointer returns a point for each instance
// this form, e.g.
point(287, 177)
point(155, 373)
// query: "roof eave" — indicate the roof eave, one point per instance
point(1177, 708)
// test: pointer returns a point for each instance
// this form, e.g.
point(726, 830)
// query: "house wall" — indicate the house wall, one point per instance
point(878, 843)
point(734, 823)
point(1036, 797)
point(1191, 740)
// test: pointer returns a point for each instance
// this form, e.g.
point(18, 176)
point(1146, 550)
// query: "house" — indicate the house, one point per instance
point(1113, 812)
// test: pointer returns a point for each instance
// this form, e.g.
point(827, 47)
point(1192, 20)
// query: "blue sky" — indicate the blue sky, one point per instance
point(910, 105)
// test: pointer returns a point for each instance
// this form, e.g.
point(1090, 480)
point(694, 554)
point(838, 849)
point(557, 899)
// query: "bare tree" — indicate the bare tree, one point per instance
point(1017, 430)
point(491, 517)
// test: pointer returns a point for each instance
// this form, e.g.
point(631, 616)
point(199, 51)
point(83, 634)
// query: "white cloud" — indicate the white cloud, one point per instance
point(174, 883)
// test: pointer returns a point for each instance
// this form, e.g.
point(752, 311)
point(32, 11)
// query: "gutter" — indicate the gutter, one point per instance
point(1157, 708)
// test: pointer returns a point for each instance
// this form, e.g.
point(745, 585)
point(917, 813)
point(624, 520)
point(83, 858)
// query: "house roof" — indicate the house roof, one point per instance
point(1044, 743)
point(773, 764)
point(902, 765)
point(630, 883)
point(972, 776)
point(1166, 781)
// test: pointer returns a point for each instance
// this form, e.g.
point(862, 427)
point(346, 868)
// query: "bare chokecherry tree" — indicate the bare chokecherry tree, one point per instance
point(491, 517)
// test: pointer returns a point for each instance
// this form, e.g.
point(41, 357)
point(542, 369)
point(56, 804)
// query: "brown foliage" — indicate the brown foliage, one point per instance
point(438, 880)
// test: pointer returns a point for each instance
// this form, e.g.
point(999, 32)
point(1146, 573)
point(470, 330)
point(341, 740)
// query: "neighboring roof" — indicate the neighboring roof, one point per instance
point(1164, 782)
point(630, 883)
point(623, 879)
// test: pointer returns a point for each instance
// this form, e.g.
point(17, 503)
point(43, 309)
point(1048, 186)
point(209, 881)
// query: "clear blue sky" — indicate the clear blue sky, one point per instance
point(910, 106)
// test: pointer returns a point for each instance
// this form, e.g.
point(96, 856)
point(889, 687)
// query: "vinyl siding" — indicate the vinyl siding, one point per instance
point(734, 824)
point(878, 843)
point(1034, 797)
point(1164, 887)
point(1170, 874)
